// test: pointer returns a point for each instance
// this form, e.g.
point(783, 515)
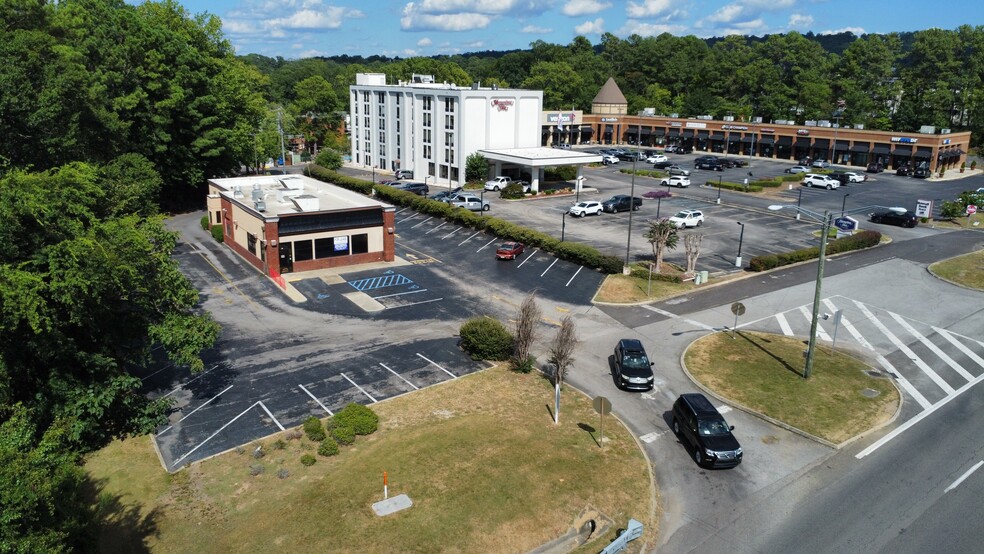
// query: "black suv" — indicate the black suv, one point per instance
point(709, 162)
point(697, 422)
point(621, 203)
point(411, 186)
point(633, 370)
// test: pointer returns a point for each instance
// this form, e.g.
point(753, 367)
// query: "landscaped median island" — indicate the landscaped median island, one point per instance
point(763, 372)
point(966, 270)
point(479, 456)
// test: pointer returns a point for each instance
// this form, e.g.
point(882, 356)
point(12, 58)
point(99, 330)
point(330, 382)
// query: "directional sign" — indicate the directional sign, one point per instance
point(602, 405)
point(738, 308)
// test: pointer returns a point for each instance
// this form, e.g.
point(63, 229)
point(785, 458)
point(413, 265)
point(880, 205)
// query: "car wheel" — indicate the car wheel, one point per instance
point(676, 427)
point(829, 187)
point(486, 207)
point(495, 188)
point(698, 456)
point(699, 223)
point(582, 214)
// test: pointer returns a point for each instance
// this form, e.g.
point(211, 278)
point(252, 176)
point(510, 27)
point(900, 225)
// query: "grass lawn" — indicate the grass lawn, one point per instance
point(627, 289)
point(966, 270)
point(480, 457)
point(763, 372)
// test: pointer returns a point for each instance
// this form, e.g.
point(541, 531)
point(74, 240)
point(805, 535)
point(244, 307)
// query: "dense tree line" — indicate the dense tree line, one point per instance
point(897, 81)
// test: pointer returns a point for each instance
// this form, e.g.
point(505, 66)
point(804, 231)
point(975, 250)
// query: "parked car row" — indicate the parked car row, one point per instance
point(718, 164)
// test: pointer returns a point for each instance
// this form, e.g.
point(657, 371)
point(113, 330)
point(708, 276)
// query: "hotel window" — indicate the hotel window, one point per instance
point(366, 121)
point(427, 151)
point(451, 150)
point(427, 120)
point(382, 138)
point(448, 139)
point(449, 105)
point(381, 110)
point(398, 112)
point(449, 122)
point(427, 136)
point(381, 97)
point(427, 103)
point(365, 96)
point(382, 123)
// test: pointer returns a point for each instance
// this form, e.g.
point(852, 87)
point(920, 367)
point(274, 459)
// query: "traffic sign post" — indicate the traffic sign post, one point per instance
point(738, 309)
point(603, 406)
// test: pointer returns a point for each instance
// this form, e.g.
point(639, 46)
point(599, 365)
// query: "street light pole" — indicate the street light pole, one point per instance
point(719, 190)
point(815, 321)
point(741, 237)
point(844, 204)
point(799, 200)
point(280, 129)
point(628, 239)
point(563, 225)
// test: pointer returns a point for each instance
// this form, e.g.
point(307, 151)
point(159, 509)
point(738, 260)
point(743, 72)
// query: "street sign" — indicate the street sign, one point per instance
point(846, 223)
point(924, 208)
point(971, 209)
point(738, 308)
point(602, 405)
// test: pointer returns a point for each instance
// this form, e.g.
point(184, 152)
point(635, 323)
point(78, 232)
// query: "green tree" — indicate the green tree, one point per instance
point(476, 167)
point(329, 159)
point(662, 235)
point(558, 81)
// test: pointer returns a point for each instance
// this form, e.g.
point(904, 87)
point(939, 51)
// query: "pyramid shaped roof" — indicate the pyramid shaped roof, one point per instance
point(610, 94)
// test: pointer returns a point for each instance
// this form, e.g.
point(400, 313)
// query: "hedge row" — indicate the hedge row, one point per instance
point(572, 252)
point(642, 272)
point(857, 241)
point(740, 187)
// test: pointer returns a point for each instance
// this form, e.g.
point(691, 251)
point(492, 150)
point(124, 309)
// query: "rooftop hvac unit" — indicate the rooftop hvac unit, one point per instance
point(859, 125)
point(259, 206)
point(257, 192)
point(927, 129)
point(728, 118)
point(757, 119)
point(649, 111)
point(237, 191)
point(306, 203)
point(292, 182)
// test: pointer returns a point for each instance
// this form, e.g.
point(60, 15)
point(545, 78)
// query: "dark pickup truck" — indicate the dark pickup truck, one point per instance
point(621, 203)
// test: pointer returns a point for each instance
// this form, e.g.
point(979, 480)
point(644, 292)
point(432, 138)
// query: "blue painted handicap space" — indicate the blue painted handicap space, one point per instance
point(381, 281)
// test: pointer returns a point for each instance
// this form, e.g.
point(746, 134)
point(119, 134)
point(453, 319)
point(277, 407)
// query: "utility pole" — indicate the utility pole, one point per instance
point(280, 129)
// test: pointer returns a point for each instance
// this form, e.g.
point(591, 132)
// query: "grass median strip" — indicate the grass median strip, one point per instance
point(764, 373)
point(480, 457)
point(966, 270)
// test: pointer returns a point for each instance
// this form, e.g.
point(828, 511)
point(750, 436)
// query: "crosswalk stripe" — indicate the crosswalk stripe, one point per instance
point(849, 326)
point(904, 383)
point(967, 352)
point(784, 325)
point(905, 349)
point(809, 317)
point(935, 349)
point(674, 316)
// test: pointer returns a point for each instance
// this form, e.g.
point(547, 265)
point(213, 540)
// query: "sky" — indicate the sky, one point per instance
point(297, 29)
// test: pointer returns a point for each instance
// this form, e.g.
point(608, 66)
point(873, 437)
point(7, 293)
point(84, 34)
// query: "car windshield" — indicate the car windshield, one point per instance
point(582, 205)
point(507, 246)
point(683, 215)
point(713, 427)
point(635, 361)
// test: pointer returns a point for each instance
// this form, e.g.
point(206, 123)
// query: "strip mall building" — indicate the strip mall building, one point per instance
point(610, 124)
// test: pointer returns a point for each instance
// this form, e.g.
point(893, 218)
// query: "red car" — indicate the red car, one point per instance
point(509, 250)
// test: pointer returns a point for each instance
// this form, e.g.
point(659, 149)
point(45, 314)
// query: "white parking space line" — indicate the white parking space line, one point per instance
point(195, 410)
point(548, 267)
point(269, 413)
point(415, 387)
point(401, 211)
point(398, 294)
point(451, 234)
point(809, 317)
point(415, 303)
point(183, 385)
point(469, 238)
point(935, 349)
point(438, 365)
point(919, 417)
point(967, 352)
point(168, 366)
point(362, 390)
point(422, 222)
point(486, 245)
point(573, 276)
point(905, 350)
point(784, 325)
point(963, 477)
point(530, 257)
point(685, 320)
point(213, 435)
point(315, 398)
point(436, 228)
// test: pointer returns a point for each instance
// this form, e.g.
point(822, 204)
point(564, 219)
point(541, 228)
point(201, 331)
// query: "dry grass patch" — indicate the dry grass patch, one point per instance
point(480, 457)
point(763, 372)
point(966, 270)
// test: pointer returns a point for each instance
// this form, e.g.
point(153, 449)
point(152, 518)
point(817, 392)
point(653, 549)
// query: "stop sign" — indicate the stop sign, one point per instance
point(971, 209)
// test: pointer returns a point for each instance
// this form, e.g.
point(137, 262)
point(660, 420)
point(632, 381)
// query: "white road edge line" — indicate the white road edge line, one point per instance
point(195, 410)
point(415, 387)
point(528, 258)
point(362, 390)
point(956, 483)
point(548, 267)
point(212, 436)
point(315, 398)
point(685, 320)
point(438, 365)
point(919, 417)
point(269, 413)
point(573, 276)
point(784, 325)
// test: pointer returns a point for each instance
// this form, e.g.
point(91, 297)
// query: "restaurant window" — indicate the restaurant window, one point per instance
point(340, 246)
point(322, 247)
point(360, 243)
point(302, 250)
point(251, 243)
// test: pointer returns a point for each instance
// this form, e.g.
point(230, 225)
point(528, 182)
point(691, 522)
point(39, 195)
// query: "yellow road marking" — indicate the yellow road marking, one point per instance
point(227, 279)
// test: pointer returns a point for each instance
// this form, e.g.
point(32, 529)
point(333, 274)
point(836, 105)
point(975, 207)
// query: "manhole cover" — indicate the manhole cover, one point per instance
point(870, 393)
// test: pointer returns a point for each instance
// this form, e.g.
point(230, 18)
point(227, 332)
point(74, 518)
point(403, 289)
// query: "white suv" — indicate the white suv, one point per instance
point(676, 181)
point(582, 209)
point(688, 218)
point(498, 183)
point(822, 181)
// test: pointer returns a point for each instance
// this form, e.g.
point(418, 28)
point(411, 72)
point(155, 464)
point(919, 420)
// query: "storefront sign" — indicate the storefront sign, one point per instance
point(946, 141)
point(846, 223)
point(767, 130)
point(560, 118)
point(905, 140)
point(502, 105)
point(924, 208)
point(341, 244)
point(734, 127)
point(802, 131)
point(675, 124)
point(692, 125)
point(609, 120)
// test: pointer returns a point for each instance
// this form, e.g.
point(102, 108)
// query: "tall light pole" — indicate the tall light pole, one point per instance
point(563, 225)
point(844, 204)
point(280, 129)
point(838, 113)
point(825, 221)
point(741, 237)
point(628, 239)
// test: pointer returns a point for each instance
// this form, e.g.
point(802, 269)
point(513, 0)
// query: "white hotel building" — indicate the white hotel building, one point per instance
point(431, 128)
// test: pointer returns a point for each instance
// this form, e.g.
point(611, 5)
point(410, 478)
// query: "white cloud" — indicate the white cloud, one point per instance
point(486, 7)
point(575, 8)
point(857, 31)
point(595, 27)
point(536, 30)
point(311, 54)
point(415, 19)
point(770, 4)
point(726, 14)
point(310, 19)
point(408, 53)
point(648, 8)
point(424, 42)
point(753, 27)
point(636, 27)
point(474, 44)
point(800, 21)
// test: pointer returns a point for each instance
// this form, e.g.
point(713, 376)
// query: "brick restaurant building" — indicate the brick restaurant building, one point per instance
point(288, 223)
point(610, 124)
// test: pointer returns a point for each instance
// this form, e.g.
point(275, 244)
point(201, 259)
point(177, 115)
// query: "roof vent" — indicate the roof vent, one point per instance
point(237, 191)
point(257, 192)
point(259, 205)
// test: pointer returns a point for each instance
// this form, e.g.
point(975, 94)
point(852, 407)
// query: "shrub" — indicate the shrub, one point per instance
point(293, 434)
point(256, 469)
point(951, 210)
point(485, 338)
point(279, 444)
point(308, 460)
point(857, 241)
point(282, 473)
point(360, 419)
point(762, 263)
point(313, 429)
point(328, 447)
point(610, 264)
point(973, 165)
point(512, 191)
point(524, 366)
point(641, 271)
point(343, 435)
point(562, 173)
point(204, 222)
point(657, 194)
point(329, 159)
point(258, 452)
point(217, 233)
